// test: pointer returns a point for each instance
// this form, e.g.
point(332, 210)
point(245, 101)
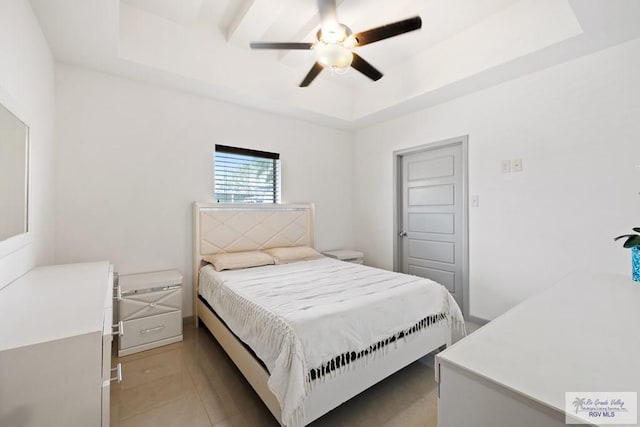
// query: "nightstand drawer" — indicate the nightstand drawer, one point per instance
point(139, 305)
point(150, 329)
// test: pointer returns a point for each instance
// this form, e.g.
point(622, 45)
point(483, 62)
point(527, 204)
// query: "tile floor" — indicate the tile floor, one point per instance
point(194, 383)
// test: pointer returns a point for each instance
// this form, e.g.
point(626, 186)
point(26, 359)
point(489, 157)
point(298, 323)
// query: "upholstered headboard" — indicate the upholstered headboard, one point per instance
point(244, 227)
point(234, 229)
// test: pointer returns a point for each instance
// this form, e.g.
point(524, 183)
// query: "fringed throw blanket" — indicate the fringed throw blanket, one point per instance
point(313, 319)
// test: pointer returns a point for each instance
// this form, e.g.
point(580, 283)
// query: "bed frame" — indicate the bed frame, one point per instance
point(220, 228)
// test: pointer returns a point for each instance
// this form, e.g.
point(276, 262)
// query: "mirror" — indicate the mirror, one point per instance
point(14, 175)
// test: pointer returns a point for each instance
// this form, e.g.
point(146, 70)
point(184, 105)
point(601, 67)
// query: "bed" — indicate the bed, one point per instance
point(309, 335)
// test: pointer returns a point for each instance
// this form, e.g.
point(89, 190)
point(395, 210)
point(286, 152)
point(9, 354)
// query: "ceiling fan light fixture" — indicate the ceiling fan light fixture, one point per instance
point(334, 46)
point(335, 33)
point(333, 56)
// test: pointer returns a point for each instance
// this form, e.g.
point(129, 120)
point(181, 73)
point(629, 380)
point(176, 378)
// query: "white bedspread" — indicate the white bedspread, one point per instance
point(299, 316)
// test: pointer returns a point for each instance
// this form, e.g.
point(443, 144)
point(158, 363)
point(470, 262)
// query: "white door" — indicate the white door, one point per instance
point(433, 228)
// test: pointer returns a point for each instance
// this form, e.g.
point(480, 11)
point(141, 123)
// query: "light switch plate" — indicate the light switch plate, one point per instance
point(516, 165)
point(506, 166)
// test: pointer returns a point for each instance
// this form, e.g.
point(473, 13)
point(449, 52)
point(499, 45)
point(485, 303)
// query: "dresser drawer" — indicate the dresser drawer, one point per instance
point(150, 329)
point(139, 305)
point(107, 340)
point(106, 403)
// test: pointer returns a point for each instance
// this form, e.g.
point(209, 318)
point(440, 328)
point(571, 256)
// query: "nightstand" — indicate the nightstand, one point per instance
point(346, 255)
point(150, 309)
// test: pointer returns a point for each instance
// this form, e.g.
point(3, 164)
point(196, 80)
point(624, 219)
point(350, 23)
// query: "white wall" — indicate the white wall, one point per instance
point(576, 126)
point(131, 159)
point(27, 89)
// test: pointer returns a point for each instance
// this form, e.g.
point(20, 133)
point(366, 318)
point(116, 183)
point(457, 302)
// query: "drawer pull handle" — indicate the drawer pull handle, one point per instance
point(152, 330)
point(119, 329)
point(118, 370)
point(118, 293)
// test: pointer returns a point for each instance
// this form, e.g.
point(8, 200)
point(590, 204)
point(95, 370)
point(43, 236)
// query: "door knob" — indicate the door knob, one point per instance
point(402, 233)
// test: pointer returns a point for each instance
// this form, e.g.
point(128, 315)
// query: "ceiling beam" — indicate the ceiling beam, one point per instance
point(253, 20)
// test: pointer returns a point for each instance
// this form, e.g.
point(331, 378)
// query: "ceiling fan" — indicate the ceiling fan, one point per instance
point(335, 43)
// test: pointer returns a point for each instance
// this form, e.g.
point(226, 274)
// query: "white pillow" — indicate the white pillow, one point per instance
point(293, 254)
point(236, 260)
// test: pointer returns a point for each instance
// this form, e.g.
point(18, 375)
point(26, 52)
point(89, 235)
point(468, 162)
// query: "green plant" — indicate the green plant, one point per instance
point(632, 239)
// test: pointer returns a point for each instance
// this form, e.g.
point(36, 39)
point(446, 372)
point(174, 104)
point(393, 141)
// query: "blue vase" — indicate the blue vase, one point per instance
point(635, 262)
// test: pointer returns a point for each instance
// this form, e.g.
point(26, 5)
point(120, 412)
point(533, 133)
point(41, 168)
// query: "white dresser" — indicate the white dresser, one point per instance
point(55, 346)
point(150, 310)
point(581, 335)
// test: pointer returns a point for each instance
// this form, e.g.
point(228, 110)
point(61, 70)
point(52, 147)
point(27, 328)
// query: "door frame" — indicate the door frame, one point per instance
point(398, 155)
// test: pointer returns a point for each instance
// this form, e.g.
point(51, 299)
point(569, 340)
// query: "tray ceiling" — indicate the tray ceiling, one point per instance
point(202, 46)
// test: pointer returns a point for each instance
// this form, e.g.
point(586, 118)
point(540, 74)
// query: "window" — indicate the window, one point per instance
point(246, 176)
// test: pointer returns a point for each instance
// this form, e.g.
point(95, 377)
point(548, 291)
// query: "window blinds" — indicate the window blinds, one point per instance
point(246, 176)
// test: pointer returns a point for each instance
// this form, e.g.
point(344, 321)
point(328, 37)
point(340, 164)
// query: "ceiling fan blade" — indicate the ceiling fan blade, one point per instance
point(328, 14)
point(287, 46)
point(365, 68)
point(313, 73)
point(388, 31)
